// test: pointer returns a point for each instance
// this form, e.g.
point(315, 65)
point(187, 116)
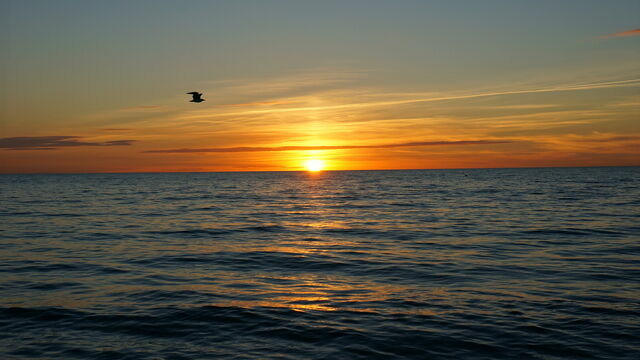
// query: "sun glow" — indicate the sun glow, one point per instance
point(314, 165)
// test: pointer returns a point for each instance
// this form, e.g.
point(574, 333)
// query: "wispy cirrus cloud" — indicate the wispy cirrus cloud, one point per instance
point(611, 139)
point(626, 33)
point(54, 142)
point(417, 100)
point(263, 103)
point(337, 147)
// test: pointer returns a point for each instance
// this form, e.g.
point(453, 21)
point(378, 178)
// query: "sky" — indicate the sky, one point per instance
point(100, 86)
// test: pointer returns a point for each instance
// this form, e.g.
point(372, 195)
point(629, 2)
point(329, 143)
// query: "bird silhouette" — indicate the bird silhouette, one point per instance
point(197, 97)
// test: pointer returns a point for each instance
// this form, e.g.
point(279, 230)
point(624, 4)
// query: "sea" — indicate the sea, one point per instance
point(537, 263)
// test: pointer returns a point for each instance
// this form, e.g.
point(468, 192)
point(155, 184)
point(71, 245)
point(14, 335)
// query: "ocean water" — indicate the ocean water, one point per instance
point(424, 264)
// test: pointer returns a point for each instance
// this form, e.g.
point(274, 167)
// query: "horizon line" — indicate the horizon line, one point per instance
point(307, 171)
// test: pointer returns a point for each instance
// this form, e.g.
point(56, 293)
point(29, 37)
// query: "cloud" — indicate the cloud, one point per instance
point(634, 32)
point(523, 106)
point(263, 103)
point(339, 147)
point(611, 139)
point(116, 129)
point(53, 142)
point(418, 100)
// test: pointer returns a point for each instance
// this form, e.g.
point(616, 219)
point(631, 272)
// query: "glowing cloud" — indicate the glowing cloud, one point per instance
point(634, 32)
point(339, 147)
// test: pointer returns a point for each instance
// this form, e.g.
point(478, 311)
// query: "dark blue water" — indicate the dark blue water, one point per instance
point(474, 264)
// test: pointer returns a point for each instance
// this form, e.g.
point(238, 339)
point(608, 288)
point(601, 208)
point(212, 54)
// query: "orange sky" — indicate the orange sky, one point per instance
point(357, 91)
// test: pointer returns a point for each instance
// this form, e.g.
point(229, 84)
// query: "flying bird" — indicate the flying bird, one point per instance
point(197, 97)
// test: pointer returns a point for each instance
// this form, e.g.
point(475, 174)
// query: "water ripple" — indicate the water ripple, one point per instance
point(473, 264)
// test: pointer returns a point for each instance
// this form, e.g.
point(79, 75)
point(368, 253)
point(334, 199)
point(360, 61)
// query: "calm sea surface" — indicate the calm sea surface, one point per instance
point(429, 264)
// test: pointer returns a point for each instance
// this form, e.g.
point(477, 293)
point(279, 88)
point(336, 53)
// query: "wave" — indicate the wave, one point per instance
point(220, 231)
point(37, 267)
point(195, 332)
point(573, 232)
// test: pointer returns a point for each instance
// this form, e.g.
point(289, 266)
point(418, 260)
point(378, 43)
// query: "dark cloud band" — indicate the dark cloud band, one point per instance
point(54, 142)
point(340, 147)
point(612, 139)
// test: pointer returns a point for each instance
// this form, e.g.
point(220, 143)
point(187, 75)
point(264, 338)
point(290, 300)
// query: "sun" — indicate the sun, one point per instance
point(314, 165)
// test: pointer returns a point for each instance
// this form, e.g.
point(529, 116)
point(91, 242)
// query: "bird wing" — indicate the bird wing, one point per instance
point(196, 95)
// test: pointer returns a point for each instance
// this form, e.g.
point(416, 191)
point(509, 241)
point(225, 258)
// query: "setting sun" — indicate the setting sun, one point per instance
point(314, 165)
